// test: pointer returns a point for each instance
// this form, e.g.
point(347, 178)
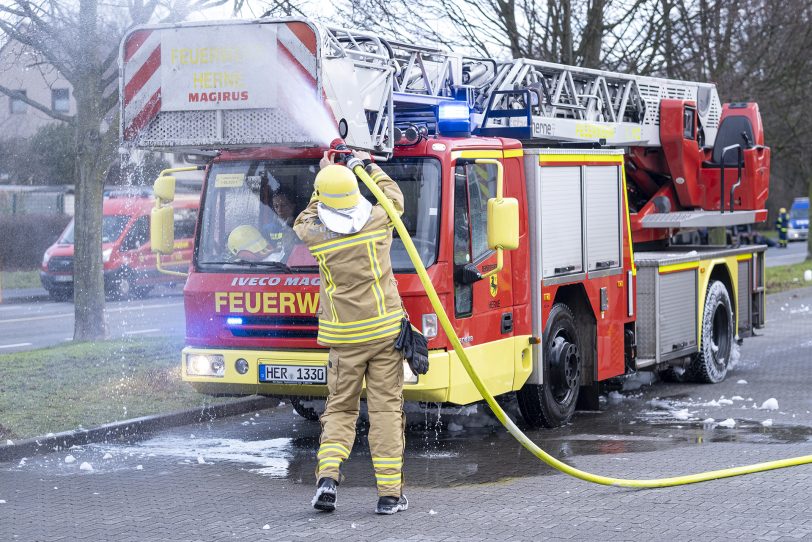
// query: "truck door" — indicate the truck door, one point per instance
point(482, 308)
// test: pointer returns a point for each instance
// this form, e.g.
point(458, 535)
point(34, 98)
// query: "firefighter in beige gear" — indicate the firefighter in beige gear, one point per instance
point(359, 318)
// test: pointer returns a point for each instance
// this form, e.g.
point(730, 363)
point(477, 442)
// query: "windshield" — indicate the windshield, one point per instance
point(799, 213)
point(112, 226)
point(250, 207)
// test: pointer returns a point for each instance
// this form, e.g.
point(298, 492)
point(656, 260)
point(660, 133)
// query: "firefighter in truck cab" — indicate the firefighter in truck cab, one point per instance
point(360, 313)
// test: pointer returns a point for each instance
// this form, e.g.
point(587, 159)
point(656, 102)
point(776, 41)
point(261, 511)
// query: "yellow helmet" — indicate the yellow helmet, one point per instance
point(337, 187)
point(782, 210)
point(246, 242)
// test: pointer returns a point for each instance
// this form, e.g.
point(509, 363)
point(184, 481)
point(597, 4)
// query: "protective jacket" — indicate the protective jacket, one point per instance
point(358, 297)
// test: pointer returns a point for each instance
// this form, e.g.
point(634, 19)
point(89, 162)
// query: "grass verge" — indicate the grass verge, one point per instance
point(20, 279)
point(89, 384)
point(787, 277)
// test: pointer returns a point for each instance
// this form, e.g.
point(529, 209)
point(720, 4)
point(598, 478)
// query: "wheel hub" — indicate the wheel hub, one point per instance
point(565, 362)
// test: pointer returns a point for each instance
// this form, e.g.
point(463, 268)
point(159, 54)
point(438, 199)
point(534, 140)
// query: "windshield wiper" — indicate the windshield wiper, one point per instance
point(276, 266)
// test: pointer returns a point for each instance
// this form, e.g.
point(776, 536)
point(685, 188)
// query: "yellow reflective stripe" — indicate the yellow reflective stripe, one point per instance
point(376, 274)
point(376, 459)
point(333, 446)
point(330, 462)
point(393, 465)
point(362, 324)
point(359, 334)
point(345, 239)
point(388, 478)
point(331, 287)
point(355, 243)
point(377, 174)
point(355, 340)
point(514, 153)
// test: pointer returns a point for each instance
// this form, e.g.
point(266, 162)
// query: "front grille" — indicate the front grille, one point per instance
point(60, 264)
point(277, 327)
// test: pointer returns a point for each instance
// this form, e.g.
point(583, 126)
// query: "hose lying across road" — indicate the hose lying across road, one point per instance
point(503, 417)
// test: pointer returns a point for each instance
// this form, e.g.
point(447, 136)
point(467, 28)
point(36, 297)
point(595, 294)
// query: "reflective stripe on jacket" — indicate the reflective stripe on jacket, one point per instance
point(358, 297)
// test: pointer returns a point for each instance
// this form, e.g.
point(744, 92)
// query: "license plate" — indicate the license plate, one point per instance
point(63, 278)
point(292, 374)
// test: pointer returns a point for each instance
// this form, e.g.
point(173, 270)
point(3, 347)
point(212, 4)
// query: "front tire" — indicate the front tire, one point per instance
point(552, 403)
point(711, 363)
point(306, 411)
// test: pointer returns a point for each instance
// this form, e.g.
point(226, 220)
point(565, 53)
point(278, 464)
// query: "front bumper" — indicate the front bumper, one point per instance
point(797, 235)
point(431, 387)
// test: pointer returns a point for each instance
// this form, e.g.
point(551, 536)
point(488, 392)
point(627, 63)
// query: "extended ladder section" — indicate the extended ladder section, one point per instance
point(213, 85)
point(553, 102)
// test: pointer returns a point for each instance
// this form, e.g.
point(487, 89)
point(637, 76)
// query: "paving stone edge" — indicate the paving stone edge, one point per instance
point(132, 427)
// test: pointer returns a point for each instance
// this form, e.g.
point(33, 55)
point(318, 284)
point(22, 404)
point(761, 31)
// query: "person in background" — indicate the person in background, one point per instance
point(280, 229)
point(782, 224)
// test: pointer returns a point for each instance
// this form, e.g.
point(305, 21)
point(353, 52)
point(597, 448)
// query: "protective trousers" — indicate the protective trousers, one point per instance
point(382, 366)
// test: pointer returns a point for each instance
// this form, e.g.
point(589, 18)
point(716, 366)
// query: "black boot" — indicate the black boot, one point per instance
point(390, 505)
point(325, 499)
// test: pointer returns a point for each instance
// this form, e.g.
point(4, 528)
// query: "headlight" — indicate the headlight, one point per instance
point(205, 365)
point(45, 258)
point(430, 325)
point(106, 254)
point(408, 376)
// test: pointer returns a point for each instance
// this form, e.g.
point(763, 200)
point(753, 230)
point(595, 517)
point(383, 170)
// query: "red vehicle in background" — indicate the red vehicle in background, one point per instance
point(129, 264)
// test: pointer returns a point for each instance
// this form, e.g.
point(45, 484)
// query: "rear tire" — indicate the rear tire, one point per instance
point(552, 403)
point(710, 364)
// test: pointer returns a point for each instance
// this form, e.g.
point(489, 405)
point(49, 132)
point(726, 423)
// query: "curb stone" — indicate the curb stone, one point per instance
point(131, 428)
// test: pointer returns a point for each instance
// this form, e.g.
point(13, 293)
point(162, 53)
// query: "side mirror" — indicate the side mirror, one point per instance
point(162, 229)
point(164, 188)
point(503, 223)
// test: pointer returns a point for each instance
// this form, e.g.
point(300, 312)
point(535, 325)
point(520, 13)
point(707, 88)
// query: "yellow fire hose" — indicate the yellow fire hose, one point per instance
point(503, 417)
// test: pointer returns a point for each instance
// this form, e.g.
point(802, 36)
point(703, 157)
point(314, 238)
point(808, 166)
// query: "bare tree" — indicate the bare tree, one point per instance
point(82, 44)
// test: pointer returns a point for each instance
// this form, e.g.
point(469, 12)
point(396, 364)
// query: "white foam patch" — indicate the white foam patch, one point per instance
point(269, 457)
point(770, 404)
point(767, 423)
point(730, 422)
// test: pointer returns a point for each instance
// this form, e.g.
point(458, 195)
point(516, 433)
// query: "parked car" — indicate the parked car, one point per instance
point(129, 264)
point(798, 220)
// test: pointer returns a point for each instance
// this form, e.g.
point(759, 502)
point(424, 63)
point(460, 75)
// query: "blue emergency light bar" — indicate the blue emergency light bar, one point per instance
point(454, 118)
point(234, 321)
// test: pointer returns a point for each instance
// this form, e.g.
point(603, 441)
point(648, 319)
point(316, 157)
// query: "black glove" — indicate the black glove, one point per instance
point(414, 347)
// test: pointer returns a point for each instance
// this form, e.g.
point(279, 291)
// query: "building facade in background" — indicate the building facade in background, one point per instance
point(29, 75)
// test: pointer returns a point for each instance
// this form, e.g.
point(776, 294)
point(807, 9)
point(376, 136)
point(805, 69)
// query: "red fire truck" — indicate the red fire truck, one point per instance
point(606, 168)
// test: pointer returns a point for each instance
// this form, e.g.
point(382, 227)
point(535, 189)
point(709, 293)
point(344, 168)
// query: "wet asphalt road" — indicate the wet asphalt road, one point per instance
point(251, 477)
point(794, 253)
point(28, 326)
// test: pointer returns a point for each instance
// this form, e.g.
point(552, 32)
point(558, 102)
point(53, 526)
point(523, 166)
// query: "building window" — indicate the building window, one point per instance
point(60, 100)
point(16, 104)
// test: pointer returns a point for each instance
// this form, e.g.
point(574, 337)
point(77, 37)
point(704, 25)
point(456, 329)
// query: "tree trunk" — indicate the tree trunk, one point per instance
point(88, 279)
point(809, 230)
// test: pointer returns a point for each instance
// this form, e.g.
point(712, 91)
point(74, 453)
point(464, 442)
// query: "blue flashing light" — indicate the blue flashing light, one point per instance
point(453, 118)
point(234, 321)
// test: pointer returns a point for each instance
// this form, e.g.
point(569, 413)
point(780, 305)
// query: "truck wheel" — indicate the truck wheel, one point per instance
point(307, 407)
point(123, 287)
point(710, 364)
point(552, 403)
point(678, 375)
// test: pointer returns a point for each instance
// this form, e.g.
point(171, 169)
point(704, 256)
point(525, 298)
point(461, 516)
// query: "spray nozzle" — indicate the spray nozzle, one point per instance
point(339, 151)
